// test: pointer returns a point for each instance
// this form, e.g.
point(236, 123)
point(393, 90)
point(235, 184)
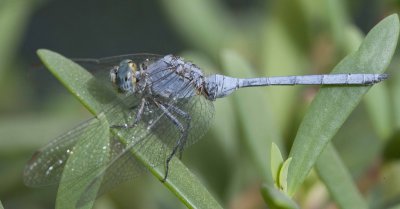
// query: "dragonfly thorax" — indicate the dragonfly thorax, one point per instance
point(170, 78)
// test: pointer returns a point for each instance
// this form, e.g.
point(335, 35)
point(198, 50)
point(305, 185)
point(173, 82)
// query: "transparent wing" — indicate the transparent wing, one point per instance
point(125, 167)
point(47, 164)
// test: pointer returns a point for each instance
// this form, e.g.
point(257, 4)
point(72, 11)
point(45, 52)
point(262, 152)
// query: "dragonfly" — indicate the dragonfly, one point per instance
point(153, 99)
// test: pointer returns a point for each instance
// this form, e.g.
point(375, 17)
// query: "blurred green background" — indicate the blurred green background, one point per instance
point(274, 37)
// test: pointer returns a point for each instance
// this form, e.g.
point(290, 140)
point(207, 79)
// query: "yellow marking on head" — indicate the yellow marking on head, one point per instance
point(133, 67)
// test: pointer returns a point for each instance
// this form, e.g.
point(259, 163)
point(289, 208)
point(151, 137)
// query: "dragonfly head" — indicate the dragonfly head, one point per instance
point(123, 76)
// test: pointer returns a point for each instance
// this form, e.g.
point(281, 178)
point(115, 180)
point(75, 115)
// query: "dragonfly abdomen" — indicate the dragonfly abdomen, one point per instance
point(218, 86)
point(326, 79)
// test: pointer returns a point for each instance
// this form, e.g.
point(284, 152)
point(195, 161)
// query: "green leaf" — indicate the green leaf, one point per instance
point(338, 180)
point(283, 175)
point(180, 180)
point(333, 105)
point(276, 199)
point(1, 206)
point(276, 163)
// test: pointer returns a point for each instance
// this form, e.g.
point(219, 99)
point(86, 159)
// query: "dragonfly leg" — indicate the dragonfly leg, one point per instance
point(179, 143)
point(188, 119)
point(139, 113)
point(138, 116)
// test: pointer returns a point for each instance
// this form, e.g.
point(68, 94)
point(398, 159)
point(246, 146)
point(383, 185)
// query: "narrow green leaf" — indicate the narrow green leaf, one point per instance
point(333, 105)
point(276, 163)
point(276, 199)
point(1, 206)
point(283, 183)
point(377, 100)
point(180, 180)
point(330, 167)
point(338, 180)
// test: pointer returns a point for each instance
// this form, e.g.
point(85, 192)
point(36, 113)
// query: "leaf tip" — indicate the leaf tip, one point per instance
point(394, 16)
point(43, 52)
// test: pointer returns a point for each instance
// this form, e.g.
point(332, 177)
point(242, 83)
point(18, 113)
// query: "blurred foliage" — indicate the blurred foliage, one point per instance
point(239, 38)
